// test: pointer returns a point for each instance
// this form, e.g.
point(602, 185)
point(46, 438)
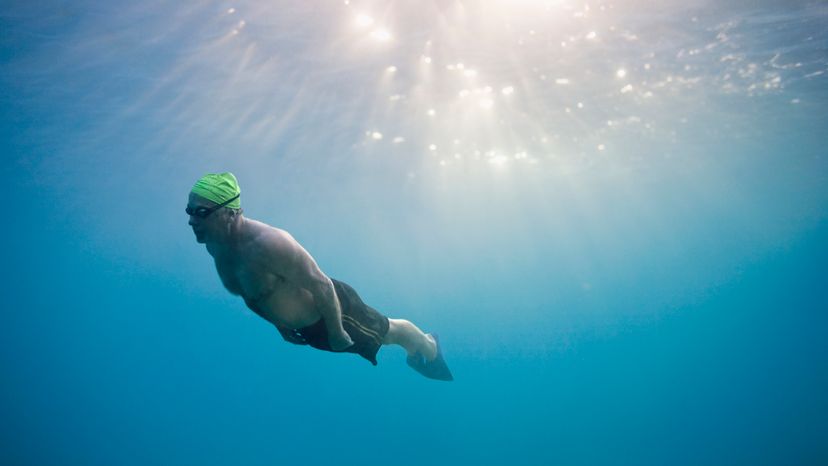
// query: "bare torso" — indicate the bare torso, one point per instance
point(266, 291)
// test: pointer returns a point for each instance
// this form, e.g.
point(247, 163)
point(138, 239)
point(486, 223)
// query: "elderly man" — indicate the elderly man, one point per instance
point(280, 281)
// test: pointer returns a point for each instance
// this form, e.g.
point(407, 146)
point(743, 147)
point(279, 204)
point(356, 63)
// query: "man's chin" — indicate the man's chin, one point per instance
point(199, 238)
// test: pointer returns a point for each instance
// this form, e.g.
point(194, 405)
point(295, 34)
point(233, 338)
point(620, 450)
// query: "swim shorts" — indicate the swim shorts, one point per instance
point(364, 324)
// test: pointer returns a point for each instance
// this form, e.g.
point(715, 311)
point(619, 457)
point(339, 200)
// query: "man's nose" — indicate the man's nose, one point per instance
point(192, 222)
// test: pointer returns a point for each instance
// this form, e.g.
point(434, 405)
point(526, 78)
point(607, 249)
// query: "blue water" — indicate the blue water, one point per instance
point(613, 213)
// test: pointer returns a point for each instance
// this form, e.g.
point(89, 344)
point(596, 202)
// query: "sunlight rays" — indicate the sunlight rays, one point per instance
point(550, 84)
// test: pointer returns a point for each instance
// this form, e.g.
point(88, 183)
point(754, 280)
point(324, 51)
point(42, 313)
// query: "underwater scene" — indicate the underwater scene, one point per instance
point(613, 213)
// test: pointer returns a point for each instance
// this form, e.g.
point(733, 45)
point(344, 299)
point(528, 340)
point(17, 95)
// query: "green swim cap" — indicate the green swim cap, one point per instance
point(219, 188)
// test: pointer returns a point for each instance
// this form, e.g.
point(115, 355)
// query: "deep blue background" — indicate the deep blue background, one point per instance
point(668, 307)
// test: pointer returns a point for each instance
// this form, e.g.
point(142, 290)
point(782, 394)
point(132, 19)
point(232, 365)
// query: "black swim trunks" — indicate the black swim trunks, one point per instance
point(364, 324)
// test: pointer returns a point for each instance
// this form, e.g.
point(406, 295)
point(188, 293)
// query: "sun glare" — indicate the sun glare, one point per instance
point(364, 21)
point(523, 76)
point(381, 35)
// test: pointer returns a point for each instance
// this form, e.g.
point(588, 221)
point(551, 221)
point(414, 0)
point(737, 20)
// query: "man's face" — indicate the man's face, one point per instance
point(202, 227)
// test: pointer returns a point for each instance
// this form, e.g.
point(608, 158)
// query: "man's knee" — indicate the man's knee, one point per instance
point(396, 331)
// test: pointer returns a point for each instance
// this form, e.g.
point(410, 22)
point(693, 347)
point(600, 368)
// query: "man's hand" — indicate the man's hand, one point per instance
point(339, 340)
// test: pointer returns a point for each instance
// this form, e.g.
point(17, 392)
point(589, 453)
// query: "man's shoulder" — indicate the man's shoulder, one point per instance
point(261, 236)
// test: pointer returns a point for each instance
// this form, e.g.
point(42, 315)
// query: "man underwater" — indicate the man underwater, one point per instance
point(280, 281)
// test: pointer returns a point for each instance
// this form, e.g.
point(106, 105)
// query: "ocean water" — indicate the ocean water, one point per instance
point(613, 213)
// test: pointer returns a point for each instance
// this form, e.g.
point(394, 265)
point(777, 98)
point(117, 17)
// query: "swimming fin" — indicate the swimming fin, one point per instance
point(435, 369)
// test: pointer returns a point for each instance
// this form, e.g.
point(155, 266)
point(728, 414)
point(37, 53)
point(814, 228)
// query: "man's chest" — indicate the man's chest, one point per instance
point(269, 294)
point(250, 279)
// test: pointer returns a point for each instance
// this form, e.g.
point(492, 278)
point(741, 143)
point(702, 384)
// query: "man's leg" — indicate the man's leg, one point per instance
point(404, 333)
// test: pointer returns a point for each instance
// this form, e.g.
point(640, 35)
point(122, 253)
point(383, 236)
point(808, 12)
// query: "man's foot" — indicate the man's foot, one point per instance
point(430, 352)
point(435, 368)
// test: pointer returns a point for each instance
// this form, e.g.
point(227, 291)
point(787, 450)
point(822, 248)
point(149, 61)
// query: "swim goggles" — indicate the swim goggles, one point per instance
point(204, 212)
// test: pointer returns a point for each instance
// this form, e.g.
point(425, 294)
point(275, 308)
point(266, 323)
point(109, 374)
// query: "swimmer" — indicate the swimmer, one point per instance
point(282, 283)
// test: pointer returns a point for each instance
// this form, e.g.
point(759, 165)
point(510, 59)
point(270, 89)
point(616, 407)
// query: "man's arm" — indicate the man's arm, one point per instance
point(299, 267)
